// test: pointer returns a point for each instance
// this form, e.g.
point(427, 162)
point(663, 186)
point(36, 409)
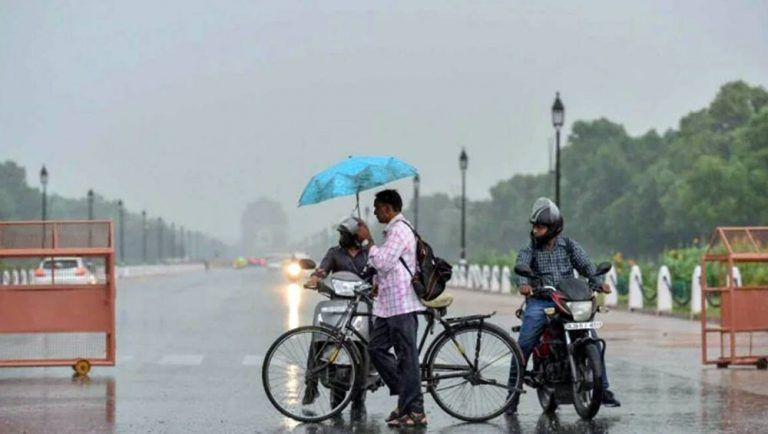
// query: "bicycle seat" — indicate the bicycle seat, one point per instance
point(442, 301)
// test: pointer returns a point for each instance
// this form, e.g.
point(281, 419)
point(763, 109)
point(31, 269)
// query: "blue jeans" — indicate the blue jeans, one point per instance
point(534, 323)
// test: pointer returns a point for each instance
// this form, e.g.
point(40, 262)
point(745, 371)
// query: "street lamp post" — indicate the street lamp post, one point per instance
point(121, 219)
point(44, 182)
point(160, 239)
point(416, 185)
point(181, 243)
point(558, 118)
point(90, 204)
point(463, 164)
point(90, 217)
point(173, 240)
point(144, 236)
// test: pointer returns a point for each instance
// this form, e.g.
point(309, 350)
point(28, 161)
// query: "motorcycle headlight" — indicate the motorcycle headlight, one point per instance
point(580, 310)
point(293, 269)
point(344, 289)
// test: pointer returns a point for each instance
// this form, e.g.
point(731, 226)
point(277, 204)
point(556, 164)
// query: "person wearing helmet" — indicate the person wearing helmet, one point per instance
point(349, 255)
point(553, 257)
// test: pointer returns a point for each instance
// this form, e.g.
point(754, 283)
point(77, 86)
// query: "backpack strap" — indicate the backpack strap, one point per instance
point(568, 246)
point(418, 238)
point(402, 261)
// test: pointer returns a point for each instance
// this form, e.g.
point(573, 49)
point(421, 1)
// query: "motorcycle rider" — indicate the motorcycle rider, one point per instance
point(350, 255)
point(553, 257)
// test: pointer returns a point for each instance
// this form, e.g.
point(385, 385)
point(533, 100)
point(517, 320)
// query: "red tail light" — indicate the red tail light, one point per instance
point(39, 272)
point(80, 271)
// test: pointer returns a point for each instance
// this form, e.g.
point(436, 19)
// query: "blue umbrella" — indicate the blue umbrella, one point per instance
point(353, 175)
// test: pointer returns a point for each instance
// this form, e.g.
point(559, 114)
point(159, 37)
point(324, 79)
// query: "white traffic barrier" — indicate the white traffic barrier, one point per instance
point(157, 270)
point(461, 277)
point(635, 293)
point(495, 279)
point(696, 291)
point(664, 290)
point(612, 299)
point(475, 277)
point(485, 284)
point(6, 278)
point(454, 281)
point(463, 281)
point(15, 280)
point(24, 278)
point(506, 280)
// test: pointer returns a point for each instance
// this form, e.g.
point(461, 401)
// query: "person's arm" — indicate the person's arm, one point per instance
point(326, 265)
point(387, 256)
point(583, 264)
point(524, 257)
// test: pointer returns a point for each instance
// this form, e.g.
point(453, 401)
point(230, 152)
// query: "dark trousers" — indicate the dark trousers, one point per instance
point(534, 323)
point(402, 373)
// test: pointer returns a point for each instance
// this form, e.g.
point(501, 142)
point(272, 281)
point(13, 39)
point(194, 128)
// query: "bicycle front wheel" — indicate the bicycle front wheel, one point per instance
point(468, 371)
point(308, 374)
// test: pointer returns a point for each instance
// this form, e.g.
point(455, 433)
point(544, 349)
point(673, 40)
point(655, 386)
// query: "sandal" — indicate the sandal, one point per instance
point(392, 416)
point(409, 420)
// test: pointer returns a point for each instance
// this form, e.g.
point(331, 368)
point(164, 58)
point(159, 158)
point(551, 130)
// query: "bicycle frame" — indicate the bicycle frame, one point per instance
point(344, 329)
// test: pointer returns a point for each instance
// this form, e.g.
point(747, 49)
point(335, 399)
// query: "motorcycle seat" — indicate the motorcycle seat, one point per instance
point(442, 301)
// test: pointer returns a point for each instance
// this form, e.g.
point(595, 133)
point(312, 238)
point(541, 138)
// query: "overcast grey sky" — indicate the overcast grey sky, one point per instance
point(192, 109)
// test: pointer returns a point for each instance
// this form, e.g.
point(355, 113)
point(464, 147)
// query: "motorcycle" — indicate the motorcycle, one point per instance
point(568, 360)
point(340, 289)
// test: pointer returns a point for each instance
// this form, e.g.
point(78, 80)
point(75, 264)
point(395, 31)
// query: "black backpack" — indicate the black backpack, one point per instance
point(432, 273)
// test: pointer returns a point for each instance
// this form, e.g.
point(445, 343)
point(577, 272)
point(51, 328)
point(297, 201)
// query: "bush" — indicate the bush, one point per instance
point(494, 258)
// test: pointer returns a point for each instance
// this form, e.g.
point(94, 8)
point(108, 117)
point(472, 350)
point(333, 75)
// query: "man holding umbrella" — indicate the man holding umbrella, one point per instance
point(395, 310)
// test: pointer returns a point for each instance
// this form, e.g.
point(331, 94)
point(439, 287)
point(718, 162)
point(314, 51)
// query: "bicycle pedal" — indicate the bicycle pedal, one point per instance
point(516, 329)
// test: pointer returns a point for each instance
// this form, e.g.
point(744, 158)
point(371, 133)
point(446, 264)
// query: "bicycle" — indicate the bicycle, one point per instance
point(468, 380)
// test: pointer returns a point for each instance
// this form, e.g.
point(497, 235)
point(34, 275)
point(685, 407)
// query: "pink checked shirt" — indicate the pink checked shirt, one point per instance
point(396, 295)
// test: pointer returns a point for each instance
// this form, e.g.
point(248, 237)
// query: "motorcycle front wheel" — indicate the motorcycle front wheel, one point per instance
point(547, 399)
point(588, 387)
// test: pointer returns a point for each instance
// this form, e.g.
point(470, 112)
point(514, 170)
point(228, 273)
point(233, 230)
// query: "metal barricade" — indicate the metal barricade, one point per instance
point(743, 306)
point(63, 313)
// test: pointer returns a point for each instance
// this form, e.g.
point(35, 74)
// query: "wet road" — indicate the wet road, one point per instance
point(189, 360)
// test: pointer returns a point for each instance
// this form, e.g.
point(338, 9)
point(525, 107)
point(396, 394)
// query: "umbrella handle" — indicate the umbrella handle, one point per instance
point(357, 196)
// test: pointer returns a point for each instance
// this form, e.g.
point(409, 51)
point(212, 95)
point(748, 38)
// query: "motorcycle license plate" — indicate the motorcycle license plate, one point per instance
point(583, 325)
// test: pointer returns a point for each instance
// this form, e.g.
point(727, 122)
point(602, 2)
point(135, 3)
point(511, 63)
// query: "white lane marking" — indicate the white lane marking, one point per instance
point(253, 360)
point(182, 359)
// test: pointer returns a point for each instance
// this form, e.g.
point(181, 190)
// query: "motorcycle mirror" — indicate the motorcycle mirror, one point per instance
point(603, 268)
point(307, 264)
point(524, 270)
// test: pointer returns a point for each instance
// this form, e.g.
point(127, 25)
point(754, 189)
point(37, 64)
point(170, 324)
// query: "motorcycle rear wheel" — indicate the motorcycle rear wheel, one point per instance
point(590, 369)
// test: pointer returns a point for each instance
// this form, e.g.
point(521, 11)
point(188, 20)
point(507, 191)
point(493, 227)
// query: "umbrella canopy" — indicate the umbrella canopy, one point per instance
point(353, 175)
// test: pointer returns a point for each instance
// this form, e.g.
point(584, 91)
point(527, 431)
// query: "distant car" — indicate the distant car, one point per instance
point(257, 262)
point(64, 271)
point(239, 263)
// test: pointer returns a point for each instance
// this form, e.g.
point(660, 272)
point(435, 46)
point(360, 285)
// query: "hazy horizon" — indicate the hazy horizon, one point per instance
point(190, 110)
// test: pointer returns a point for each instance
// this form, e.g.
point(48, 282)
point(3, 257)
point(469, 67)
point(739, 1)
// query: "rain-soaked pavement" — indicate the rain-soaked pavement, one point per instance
point(189, 360)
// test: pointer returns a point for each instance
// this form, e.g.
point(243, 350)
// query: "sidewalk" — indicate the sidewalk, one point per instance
point(668, 344)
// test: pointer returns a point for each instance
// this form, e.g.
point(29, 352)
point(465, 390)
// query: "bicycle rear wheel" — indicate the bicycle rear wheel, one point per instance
point(468, 374)
point(308, 374)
